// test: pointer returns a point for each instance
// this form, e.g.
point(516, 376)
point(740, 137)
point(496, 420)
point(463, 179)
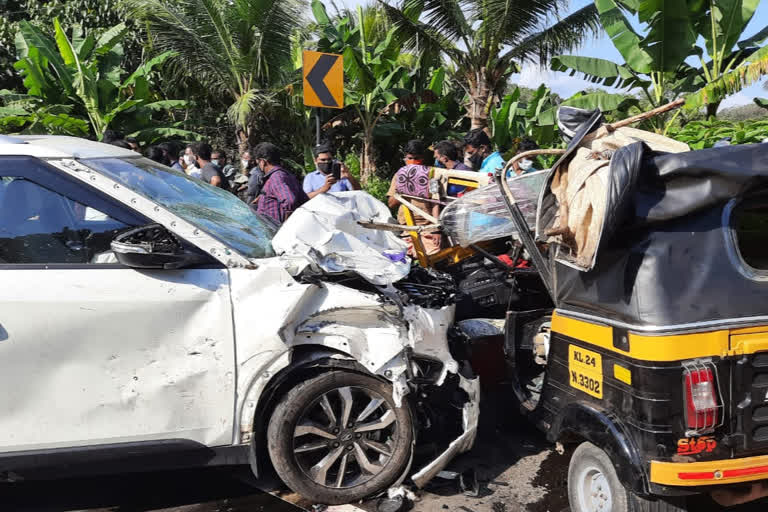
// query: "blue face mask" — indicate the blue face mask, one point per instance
point(439, 164)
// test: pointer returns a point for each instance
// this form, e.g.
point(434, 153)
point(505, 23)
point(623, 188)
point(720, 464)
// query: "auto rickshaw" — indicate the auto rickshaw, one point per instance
point(648, 355)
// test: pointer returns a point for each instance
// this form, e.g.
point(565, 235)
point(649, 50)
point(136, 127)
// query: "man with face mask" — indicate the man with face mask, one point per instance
point(525, 165)
point(255, 175)
point(281, 193)
point(479, 153)
point(210, 172)
point(322, 179)
point(190, 161)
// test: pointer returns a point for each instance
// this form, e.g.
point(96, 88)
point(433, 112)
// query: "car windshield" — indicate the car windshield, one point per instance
point(217, 212)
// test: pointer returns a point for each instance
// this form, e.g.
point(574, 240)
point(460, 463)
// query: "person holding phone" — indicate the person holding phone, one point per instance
point(330, 175)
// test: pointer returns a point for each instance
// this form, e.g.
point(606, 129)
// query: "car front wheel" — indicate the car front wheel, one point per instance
point(339, 437)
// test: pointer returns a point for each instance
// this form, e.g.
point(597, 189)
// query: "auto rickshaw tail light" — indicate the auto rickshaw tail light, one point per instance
point(701, 405)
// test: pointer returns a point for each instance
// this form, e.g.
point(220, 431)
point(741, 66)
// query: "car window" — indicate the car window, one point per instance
point(40, 226)
point(219, 213)
point(750, 225)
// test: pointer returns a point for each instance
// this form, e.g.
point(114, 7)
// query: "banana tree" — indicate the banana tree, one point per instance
point(439, 114)
point(374, 70)
point(24, 114)
point(83, 73)
point(536, 119)
point(734, 62)
point(512, 119)
point(655, 62)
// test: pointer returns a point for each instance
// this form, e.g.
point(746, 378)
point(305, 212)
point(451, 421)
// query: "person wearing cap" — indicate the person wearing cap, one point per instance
point(479, 153)
point(322, 179)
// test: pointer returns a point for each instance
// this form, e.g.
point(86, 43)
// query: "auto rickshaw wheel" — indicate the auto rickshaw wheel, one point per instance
point(594, 486)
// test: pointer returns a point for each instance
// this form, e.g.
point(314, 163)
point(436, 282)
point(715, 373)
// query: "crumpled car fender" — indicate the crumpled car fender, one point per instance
point(331, 316)
point(373, 336)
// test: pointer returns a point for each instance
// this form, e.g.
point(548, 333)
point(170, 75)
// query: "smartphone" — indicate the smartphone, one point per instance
point(336, 169)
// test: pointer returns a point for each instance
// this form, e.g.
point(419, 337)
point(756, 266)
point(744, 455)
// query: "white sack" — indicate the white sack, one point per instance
point(325, 232)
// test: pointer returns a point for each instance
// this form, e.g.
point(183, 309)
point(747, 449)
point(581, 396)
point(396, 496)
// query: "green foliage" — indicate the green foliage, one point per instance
point(376, 85)
point(94, 16)
point(603, 101)
point(238, 51)
point(41, 119)
point(378, 188)
point(704, 134)
point(352, 161)
point(752, 69)
point(512, 119)
point(535, 118)
point(486, 41)
point(68, 77)
point(656, 59)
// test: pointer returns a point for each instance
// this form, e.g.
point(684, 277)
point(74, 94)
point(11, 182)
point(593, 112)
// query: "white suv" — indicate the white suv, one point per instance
point(146, 321)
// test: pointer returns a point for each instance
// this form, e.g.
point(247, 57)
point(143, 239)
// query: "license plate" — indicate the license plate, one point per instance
point(586, 371)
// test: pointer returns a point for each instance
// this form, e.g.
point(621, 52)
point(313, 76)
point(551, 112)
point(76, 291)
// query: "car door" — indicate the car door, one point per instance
point(92, 352)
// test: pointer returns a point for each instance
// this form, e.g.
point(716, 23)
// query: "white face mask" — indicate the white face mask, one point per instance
point(189, 159)
point(215, 161)
point(525, 164)
point(245, 163)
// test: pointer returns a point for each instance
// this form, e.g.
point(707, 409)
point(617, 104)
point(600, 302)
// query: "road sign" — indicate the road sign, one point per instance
point(323, 80)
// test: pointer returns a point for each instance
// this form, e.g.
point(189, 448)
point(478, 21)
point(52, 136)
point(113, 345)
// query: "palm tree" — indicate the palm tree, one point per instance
point(487, 40)
point(238, 50)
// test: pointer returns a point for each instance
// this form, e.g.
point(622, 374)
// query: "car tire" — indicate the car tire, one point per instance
point(594, 486)
point(330, 463)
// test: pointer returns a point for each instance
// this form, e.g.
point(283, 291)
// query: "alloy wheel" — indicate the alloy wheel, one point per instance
point(345, 437)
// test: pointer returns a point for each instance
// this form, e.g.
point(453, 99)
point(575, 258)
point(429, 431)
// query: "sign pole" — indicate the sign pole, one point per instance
point(317, 126)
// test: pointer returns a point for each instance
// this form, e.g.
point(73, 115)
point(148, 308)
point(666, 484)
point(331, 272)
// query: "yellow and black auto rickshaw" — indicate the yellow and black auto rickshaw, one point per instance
point(651, 358)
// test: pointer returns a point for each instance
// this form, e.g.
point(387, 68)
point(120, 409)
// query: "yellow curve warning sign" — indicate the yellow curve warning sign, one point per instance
point(323, 80)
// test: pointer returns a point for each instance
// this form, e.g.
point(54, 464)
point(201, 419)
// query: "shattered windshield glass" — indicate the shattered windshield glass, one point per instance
point(219, 213)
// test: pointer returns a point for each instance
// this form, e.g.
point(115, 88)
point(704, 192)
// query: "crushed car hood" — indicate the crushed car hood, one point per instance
point(325, 234)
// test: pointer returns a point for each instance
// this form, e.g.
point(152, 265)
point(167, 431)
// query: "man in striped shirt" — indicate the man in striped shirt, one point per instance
point(281, 193)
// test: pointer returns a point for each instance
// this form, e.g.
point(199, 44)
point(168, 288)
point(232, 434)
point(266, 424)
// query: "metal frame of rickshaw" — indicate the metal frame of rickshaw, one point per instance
point(667, 481)
point(450, 255)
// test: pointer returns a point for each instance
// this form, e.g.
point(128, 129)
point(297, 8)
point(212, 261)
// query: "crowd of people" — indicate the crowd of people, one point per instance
point(264, 184)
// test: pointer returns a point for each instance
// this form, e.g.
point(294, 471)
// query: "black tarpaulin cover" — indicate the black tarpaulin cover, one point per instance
point(666, 256)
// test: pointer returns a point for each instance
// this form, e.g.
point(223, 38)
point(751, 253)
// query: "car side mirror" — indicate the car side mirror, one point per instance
point(153, 246)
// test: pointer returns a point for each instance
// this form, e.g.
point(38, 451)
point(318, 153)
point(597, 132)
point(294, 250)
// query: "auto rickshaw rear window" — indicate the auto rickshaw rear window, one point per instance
point(750, 223)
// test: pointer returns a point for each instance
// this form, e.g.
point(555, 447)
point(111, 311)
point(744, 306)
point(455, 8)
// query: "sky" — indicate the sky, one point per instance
point(566, 86)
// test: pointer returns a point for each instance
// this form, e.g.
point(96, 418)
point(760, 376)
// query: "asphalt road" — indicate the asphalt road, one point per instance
point(206, 490)
point(515, 468)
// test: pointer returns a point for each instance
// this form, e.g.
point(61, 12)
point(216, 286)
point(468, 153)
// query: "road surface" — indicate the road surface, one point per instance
point(516, 469)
